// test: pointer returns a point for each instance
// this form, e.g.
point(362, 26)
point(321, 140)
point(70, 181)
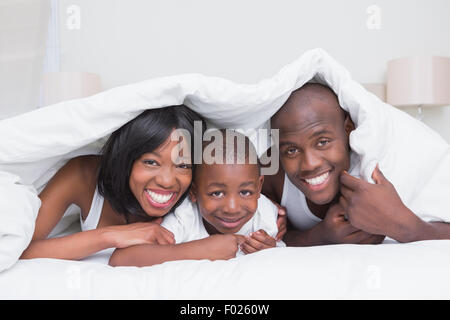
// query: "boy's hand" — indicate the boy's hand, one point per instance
point(376, 208)
point(223, 246)
point(335, 229)
point(257, 241)
point(123, 236)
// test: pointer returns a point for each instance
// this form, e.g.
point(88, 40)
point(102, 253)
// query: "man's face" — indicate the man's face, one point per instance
point(314, 148)
point(227, 194)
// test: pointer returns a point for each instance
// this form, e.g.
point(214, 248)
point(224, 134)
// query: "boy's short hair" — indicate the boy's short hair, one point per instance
point(243, 151)
point(143, 134)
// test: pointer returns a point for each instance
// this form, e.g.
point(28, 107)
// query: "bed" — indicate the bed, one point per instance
point(35, 145)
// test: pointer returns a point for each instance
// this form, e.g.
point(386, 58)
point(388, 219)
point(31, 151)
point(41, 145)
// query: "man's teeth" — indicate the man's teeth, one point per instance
point(319, 179)
point(159, 198)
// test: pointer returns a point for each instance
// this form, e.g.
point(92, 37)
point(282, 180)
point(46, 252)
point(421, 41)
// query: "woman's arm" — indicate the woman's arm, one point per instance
point(215, 247)
point(72, 247)
point(72, 184)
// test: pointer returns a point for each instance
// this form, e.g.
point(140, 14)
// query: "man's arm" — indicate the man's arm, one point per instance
point(215, 247)
point(377, 208)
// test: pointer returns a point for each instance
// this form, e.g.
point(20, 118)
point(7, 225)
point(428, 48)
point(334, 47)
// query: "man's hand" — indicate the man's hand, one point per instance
point(281, 222)
point(335, 229)
point(257, 241)
point(376, 208)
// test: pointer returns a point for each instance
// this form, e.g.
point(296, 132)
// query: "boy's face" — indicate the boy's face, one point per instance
point(314, 147)
point(227, 194)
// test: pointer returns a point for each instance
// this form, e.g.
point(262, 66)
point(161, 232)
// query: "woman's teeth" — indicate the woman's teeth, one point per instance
point(318, 180)
point(159, 198)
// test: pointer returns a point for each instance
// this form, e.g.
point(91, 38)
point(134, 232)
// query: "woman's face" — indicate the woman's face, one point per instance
point(157, 181)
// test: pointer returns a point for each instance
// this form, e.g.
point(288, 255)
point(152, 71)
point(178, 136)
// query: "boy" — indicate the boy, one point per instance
point(324, 203)
point(225, 213)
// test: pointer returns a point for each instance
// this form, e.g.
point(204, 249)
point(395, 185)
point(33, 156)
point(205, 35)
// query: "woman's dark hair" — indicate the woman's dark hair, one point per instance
point(141, 135)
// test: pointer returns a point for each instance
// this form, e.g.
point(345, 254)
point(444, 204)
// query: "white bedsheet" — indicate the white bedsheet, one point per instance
point(413, 157)
point(389, 271)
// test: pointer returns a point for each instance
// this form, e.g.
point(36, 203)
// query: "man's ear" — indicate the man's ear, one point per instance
point(349, 126)
point(193, 192)
point(261, 182)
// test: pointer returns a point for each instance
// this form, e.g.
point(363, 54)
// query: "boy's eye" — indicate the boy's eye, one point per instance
point(216, 194)
point(246, 193)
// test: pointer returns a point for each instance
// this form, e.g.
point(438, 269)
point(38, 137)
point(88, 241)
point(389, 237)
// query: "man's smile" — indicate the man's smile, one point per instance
point(317, 182)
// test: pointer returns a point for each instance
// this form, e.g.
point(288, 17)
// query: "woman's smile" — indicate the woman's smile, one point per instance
point(160, 198)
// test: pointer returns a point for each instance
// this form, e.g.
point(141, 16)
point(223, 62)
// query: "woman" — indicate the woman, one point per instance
point(123, 193)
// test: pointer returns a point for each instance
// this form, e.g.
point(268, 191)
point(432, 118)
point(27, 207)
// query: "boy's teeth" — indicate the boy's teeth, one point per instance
point(160, 198)
point(318, 180)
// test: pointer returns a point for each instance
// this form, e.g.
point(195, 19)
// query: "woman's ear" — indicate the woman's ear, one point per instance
point(192, 193)
point(349, 126)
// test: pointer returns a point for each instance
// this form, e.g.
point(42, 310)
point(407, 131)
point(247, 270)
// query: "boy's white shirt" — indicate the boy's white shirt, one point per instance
point(186, 222)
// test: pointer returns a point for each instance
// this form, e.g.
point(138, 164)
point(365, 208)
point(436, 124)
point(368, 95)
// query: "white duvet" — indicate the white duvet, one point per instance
point(414, 158)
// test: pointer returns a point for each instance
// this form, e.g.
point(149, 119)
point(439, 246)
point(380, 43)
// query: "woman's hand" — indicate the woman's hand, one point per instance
point(257, 241)
point(139, 233)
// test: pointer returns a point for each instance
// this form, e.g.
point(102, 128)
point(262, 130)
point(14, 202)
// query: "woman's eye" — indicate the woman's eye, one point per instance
point(151, 162)
point(185, 166)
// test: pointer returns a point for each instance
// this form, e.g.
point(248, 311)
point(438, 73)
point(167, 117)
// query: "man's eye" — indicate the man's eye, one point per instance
point(291, 151)
point(323, 142)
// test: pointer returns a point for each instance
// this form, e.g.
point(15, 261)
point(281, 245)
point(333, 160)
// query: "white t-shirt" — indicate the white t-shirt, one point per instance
point(186, 223)
point(299, 214)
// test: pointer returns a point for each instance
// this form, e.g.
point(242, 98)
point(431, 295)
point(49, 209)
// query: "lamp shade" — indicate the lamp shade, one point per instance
point(61, 86)
point(418, 81)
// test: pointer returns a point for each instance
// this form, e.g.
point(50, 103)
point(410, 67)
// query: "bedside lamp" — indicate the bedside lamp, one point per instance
point(418, 81)
point(61, 86)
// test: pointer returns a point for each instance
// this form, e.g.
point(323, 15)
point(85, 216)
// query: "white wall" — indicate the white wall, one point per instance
point(131, 40)
point(23, 27)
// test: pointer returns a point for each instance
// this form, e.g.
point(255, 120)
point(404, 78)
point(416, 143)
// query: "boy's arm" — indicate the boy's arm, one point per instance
point(377, 208)
point(215, 247)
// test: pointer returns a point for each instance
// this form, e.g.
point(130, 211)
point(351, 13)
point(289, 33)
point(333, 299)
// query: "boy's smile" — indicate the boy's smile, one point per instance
point(226, 195)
